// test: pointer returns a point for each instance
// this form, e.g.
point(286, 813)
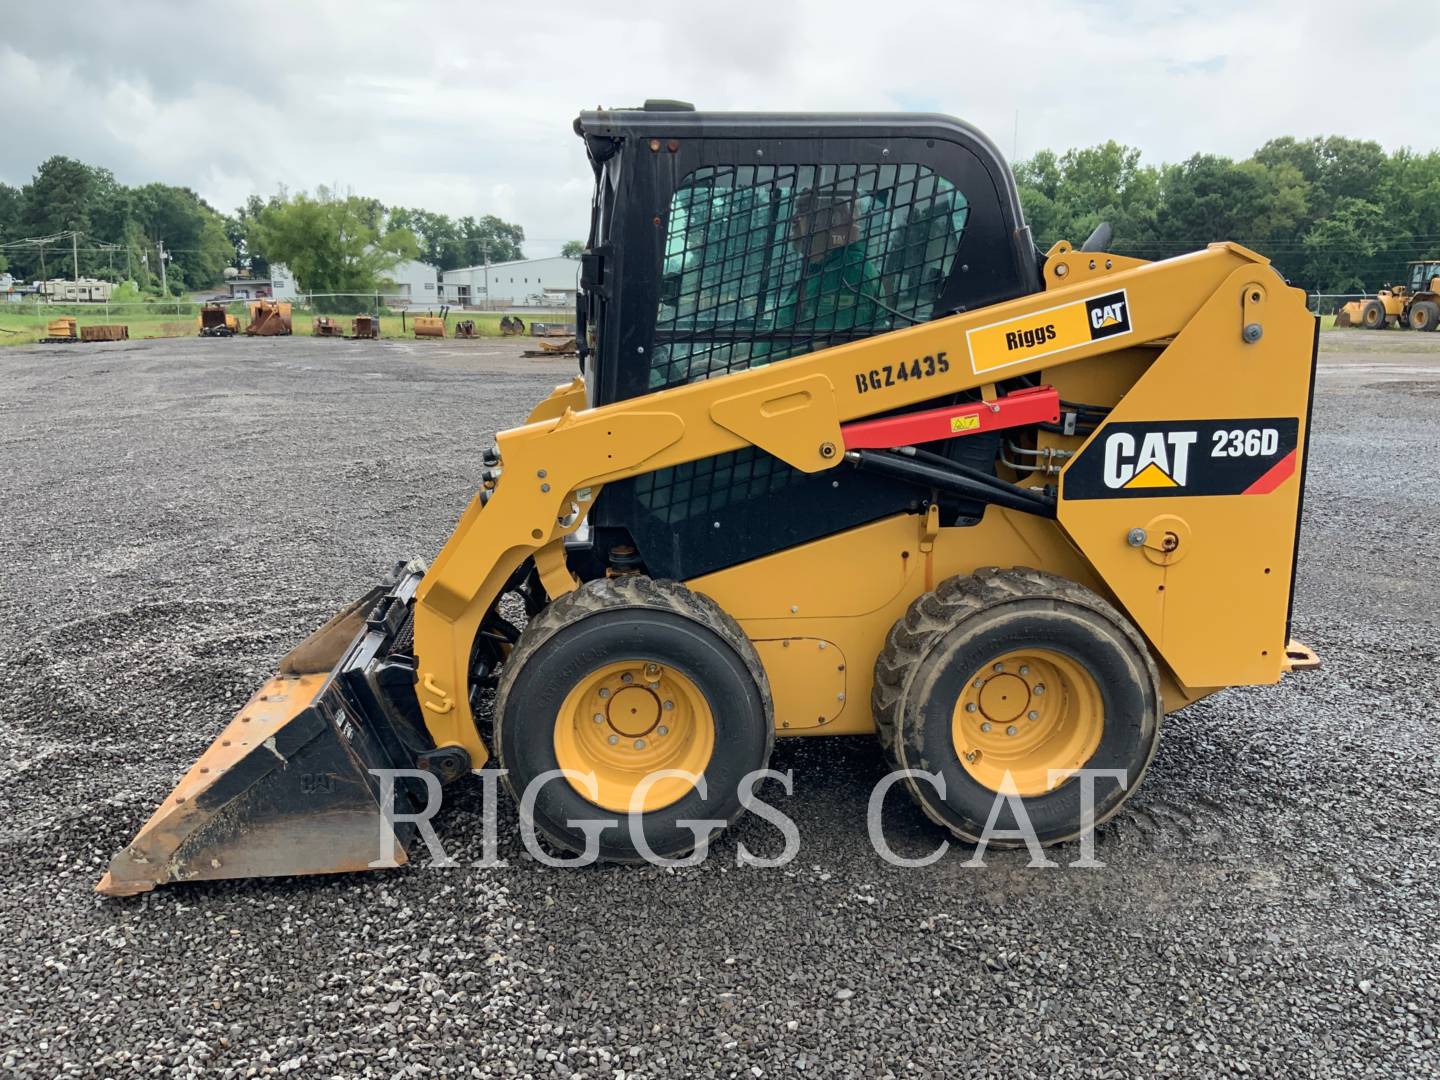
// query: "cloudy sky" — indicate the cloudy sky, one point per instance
point(466, 107)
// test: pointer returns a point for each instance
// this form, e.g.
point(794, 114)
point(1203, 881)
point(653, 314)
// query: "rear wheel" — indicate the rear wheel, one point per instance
point(617, 681)
point(1372, 315)
point(1424, 315)
point(1010, 680)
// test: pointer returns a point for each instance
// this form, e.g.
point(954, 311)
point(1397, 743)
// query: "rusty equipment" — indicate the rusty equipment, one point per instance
point(326, 327)
point(567, 347)
point(60, 332)
point(465, 328)
point(546, 329)
point(215, 321)
point(110, 332)
point(1414, 305)
point(269, 318)
point(1000, 509)
point(365, 328)
point(432, 325)
point(510, 325)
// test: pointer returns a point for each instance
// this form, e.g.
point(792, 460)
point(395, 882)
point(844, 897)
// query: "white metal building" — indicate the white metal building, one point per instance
point(280, 285)
point(524, 283)
point(414, 282)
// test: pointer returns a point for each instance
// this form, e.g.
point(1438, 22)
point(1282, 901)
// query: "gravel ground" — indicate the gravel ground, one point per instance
point(176, 513)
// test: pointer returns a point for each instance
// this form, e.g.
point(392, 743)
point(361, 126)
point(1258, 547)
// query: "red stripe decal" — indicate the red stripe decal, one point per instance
point(1274, 476)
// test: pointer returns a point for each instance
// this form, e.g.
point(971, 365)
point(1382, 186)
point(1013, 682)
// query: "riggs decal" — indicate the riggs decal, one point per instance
point(1197, 457)
point(1024, 338)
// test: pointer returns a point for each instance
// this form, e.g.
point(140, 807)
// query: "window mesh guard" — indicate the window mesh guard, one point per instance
point(765, 262)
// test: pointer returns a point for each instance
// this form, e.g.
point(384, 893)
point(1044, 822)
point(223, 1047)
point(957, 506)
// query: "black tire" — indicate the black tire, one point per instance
point(613, 619)
point(1424, 315)
point(1372, 315)
point(956, 630)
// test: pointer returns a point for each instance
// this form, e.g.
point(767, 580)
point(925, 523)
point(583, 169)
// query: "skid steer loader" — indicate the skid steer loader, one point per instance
point(848, 455)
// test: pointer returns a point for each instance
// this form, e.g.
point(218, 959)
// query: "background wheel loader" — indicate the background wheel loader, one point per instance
point(848, 455)
point(1415, 305)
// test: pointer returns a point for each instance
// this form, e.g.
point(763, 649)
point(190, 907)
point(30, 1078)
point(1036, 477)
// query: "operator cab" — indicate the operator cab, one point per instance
point(724, 241)
point(1423, 274)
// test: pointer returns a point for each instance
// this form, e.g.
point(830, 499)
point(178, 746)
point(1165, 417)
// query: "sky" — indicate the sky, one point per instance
point(466, 108)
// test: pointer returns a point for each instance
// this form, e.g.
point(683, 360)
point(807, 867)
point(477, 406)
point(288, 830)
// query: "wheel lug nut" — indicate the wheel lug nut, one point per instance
point(1010, 730)
point(604, 691)
point(613, 739)
point(979, 683)
point(999, 667)
point(652, 671)
point(1039, 688)
point(662, 730)
point(1033, 715)
point(654, 686)
point(627, 678)
point(669, 705)
point(1024, 669)
point(599, 717)
point(985, 726)
point(639, 744)
point(969, 706)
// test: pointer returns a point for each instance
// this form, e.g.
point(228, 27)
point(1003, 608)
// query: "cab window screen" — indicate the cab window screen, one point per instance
point(764, 262)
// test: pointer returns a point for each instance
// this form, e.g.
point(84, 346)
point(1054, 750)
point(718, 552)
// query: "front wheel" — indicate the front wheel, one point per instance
point(1009, 682)
point(617, 682)
point(1424, 315)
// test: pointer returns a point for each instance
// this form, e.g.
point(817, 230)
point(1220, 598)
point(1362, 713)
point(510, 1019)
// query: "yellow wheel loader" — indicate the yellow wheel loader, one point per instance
point(1415, 305)
point(847, 455)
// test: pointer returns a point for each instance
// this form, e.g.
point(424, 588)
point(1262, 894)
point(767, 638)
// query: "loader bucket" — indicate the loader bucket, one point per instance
point(269, 319)
point(286, 788)
point(429, 326)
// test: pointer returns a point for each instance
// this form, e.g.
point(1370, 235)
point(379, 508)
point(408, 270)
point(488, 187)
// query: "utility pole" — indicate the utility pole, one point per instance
point(485, 254)
point(75, 255)
point(164, 282)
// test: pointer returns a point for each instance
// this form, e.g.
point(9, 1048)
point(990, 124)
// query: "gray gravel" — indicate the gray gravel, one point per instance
point(175, 514)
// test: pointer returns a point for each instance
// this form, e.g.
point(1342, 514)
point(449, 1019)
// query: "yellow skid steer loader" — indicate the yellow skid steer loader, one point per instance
point(847, 455)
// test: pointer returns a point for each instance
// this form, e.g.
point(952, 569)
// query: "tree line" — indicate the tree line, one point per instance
point(1333, 214)
point(331, 242)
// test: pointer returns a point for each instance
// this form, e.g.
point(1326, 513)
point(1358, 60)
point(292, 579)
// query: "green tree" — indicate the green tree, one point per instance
point(573, 249)
point(1066, 196)
point(193, 233)
point(1340, 246)
point(447, 244)
point(59, 198)
point(332, 244)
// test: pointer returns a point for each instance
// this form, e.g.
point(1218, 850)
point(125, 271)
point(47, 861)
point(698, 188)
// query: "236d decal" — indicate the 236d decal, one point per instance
point(1195, 457)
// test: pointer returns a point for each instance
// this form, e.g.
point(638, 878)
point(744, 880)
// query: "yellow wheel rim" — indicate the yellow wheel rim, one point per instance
point(627, 720)
point(1027, 713)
